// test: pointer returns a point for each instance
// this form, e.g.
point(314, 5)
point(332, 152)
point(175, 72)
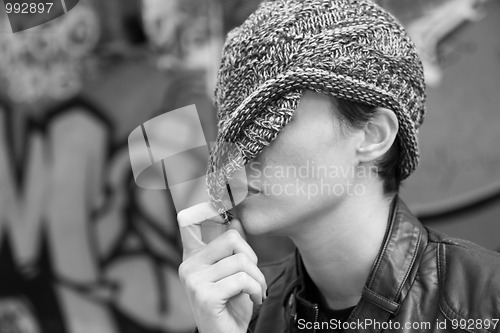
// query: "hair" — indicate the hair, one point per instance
point(356, 115)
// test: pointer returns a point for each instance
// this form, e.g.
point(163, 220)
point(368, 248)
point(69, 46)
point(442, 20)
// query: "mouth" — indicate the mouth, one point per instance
point(253, 191)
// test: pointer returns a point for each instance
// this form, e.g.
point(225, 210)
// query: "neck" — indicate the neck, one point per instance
point(339, 247)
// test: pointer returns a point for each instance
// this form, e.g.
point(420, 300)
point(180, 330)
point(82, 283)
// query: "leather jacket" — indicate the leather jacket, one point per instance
point(421, 281)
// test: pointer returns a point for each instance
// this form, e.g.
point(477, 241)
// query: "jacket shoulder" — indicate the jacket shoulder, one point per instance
point(468, 279)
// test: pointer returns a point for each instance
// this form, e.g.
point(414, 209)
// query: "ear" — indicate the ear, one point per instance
point(379, 135)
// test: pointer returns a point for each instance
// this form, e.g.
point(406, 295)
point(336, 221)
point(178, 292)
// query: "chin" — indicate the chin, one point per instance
point(254, 223)
point(258, 221)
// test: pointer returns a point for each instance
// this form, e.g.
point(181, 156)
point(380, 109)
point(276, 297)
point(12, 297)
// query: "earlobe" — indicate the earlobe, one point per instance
point(379, 135)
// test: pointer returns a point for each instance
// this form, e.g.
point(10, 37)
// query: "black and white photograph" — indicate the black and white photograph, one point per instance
point(249, 166)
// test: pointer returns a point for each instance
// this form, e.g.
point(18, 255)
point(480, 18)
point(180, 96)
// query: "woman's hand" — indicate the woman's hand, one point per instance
point(221, 278)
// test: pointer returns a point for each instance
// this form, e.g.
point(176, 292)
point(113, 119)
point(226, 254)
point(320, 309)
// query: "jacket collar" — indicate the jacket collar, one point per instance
point(391, 275)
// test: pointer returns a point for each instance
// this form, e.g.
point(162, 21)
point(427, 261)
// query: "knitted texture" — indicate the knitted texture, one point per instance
point(351, 49)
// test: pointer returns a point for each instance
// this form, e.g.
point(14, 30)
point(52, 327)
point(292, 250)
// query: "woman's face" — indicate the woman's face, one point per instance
point(306, 172)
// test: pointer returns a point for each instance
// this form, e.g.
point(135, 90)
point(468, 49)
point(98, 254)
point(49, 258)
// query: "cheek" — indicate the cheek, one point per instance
point(301, 173)
point(294, 170)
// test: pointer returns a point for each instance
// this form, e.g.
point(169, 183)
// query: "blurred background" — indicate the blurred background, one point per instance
point(83, 249)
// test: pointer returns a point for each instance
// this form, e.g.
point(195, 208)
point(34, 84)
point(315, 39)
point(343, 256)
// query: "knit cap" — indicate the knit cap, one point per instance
point(351, 49)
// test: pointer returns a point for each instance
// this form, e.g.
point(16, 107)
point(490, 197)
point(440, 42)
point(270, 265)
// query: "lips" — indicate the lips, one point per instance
point(253, 191)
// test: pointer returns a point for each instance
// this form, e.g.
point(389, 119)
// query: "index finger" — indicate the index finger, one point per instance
point(189, 221)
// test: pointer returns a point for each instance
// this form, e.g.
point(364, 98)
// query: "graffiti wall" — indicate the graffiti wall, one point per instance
point(82, 250)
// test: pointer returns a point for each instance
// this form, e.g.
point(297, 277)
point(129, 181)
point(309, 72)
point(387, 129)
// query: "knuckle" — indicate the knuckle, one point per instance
point(254, 259)
point(242, 259)
point(249, 259)
point(233, 236)
point(241, 278)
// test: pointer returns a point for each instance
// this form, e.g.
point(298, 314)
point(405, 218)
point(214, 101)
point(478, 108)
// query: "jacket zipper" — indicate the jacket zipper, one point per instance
point(316, 315)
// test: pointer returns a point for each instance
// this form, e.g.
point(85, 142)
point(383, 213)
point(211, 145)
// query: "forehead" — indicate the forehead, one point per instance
point(314, 126)
point(316, 109)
